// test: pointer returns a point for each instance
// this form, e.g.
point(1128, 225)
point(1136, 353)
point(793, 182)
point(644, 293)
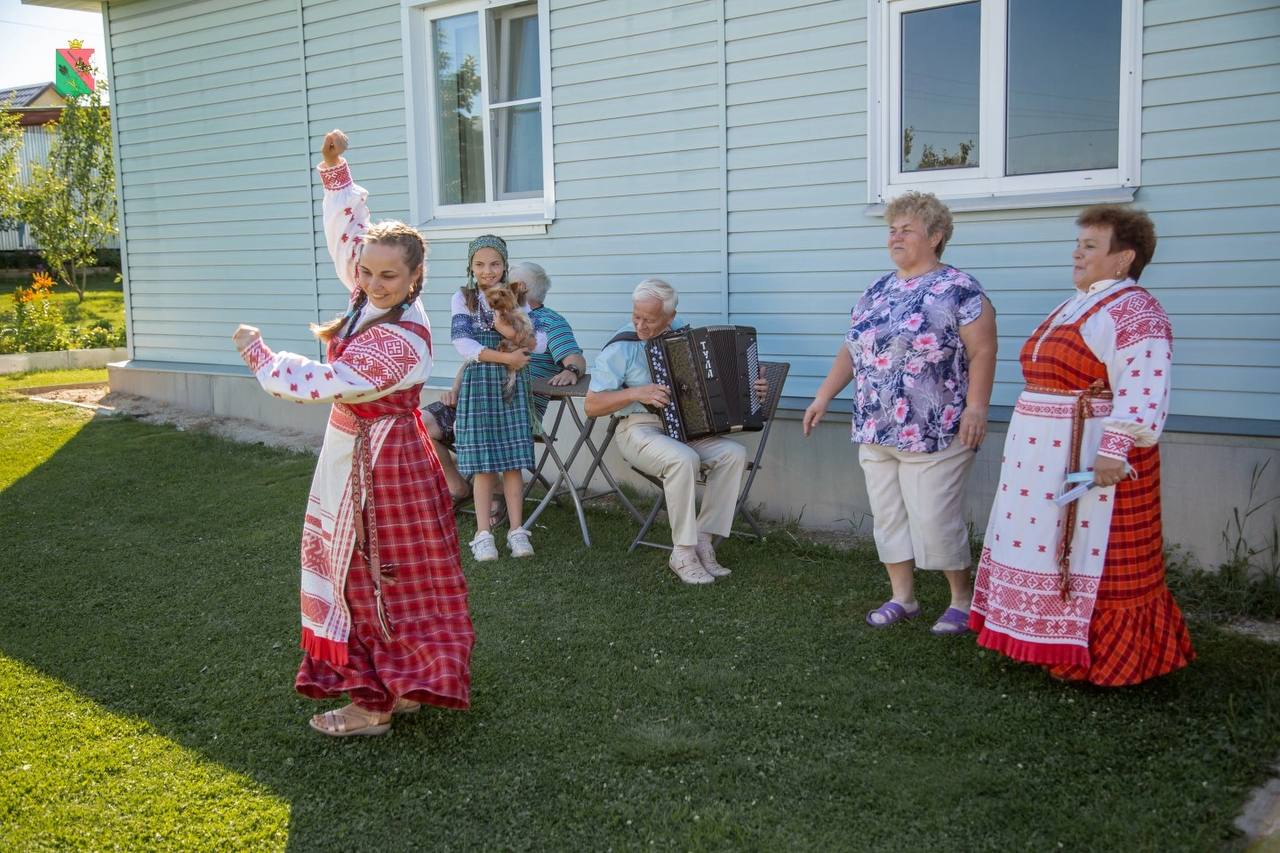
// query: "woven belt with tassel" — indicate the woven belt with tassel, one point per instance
point(362, 494)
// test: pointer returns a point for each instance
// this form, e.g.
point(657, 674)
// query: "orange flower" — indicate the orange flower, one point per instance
point(42, 281)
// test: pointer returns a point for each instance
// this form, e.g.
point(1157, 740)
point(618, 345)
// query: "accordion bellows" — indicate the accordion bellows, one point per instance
point(711, 372)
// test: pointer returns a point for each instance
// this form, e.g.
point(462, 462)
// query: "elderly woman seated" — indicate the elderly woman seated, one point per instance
point(622, 385)
point(561, 364)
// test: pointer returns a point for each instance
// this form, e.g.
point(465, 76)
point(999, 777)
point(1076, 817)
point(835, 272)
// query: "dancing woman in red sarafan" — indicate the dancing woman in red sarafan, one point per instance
point(1079, 587)
point(384, 601)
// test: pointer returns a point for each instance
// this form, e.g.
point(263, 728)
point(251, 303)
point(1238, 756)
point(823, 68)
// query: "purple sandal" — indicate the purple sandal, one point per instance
point(952, 623)
point(891, 612)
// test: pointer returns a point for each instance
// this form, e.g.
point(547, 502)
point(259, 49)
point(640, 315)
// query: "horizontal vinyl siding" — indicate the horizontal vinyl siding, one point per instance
point(799, 243)
point(355, 80)
point(743, 184)
point(208, 107)
point(637, 128)
point(802, 249)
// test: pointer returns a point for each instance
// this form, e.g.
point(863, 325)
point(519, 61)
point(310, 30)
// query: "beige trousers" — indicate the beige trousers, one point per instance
point(644, 444)
point(917, 504)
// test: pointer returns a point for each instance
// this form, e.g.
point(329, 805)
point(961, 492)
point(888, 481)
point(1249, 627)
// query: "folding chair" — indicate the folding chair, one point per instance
point(775, 373)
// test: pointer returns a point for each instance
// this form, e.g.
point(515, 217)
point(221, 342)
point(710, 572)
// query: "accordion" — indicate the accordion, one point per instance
point(711, 372)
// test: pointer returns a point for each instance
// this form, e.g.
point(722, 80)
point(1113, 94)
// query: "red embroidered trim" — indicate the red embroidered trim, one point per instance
point(381, 356)
point(323, 649)
point(1139, 318)
point(337, 178)
point(256, 355)
point(342, 419)
point(1115, 445)
point(1036, 408)
point(1045, 654)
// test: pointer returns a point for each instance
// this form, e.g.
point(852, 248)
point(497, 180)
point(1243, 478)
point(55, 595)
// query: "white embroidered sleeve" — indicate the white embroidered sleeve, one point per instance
point(1133, 337)
point(346, 217)
point(462, 329)
point(381, 360)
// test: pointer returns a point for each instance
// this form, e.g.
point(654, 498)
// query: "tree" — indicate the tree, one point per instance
point(931, 159)
point(10, 151)
point(70, 204)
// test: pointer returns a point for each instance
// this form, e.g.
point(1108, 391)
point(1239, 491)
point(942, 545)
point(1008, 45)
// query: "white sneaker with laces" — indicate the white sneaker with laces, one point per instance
point(483, 547)
point(518, 543)
point(684, 562)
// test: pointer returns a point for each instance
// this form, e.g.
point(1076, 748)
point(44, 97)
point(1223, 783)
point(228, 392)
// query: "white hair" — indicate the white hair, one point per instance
point(534, 277)
point(656, 288)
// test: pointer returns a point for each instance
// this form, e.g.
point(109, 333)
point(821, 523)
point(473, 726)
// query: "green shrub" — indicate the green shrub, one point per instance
point(36, 323)
point(20, 259)
point(101, 334)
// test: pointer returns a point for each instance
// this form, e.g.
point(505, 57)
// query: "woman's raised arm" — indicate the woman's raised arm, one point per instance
point(346, 209)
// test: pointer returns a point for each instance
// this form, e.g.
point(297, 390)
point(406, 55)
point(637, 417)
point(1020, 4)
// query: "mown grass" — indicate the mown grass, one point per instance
point(147, 649)
point(103, 300)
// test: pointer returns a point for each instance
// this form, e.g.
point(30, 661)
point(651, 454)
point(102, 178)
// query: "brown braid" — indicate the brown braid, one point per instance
point(414, 249)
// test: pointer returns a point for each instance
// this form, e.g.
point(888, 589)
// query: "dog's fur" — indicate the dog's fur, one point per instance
point(504, 300)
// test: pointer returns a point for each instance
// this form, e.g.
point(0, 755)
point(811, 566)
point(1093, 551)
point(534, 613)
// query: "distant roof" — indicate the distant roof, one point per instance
point(23, 96)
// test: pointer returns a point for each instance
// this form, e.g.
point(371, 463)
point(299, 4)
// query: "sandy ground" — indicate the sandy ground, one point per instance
point(99, 398)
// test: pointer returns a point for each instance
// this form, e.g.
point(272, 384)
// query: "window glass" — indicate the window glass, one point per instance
point(519, 166)
point(940, 85)
point(459, 109)
point(520, 75)
point(1063, 84)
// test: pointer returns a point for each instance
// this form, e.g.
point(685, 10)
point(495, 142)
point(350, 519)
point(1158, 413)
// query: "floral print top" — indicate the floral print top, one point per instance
point(909, 363)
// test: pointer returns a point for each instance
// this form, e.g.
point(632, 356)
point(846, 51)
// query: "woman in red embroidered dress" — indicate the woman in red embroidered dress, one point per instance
point(384, 601)
point(1079, 587)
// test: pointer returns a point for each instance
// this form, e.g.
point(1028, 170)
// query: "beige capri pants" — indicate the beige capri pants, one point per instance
point(916, 501)
point(644, 444)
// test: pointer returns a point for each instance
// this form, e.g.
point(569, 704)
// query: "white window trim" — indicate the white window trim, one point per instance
point(509, 217)
point(989, 188)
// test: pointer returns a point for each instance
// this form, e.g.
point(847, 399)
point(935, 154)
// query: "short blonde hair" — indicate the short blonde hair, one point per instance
point(656, 288)
point(935, 215)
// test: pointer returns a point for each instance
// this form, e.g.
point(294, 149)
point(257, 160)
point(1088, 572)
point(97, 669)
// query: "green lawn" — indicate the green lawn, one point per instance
point(148, 645)
point(103, 300)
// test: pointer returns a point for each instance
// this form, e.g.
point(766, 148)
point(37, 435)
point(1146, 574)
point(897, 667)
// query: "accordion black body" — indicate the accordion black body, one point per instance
point(711, 371)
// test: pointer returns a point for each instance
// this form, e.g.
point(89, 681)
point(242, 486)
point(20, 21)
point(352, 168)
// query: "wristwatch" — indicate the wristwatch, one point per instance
point(574, 368)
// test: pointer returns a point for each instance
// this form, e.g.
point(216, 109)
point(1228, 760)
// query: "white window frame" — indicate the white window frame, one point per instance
point(499, 216)
point(986, 185)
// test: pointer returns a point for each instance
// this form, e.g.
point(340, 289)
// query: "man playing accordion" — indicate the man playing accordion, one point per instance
point(622, 385)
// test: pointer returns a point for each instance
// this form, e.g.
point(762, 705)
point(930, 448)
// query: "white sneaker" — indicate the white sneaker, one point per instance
point(518, 543)
point(688, 568)
point(707, 556)
point(483, 547)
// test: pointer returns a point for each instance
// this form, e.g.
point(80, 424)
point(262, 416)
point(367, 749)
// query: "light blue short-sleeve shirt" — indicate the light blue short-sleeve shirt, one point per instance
point(623, 364)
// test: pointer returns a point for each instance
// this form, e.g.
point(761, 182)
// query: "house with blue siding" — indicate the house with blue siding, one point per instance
point(742, 150)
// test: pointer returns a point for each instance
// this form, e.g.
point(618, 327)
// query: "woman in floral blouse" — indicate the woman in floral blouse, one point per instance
point(922, 347)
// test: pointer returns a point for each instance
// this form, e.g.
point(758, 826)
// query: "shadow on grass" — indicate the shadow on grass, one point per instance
point(156, 575)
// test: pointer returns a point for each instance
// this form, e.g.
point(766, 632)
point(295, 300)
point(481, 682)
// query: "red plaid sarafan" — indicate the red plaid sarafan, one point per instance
point(428, 655)
point(1137, 631)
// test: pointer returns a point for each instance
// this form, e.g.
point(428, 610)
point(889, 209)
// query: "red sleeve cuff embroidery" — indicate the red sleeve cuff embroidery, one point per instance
point(336, 178)
point(1115, 445)
point(256, 355)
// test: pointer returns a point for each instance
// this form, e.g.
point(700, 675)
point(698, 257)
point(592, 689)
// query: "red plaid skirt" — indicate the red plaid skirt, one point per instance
point(428, 658)
point(1137, 631)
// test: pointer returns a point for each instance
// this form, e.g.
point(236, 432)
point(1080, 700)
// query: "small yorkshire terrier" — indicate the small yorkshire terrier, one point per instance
point(504, 300)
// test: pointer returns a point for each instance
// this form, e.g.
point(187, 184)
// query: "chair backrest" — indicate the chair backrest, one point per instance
point(775, 373)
